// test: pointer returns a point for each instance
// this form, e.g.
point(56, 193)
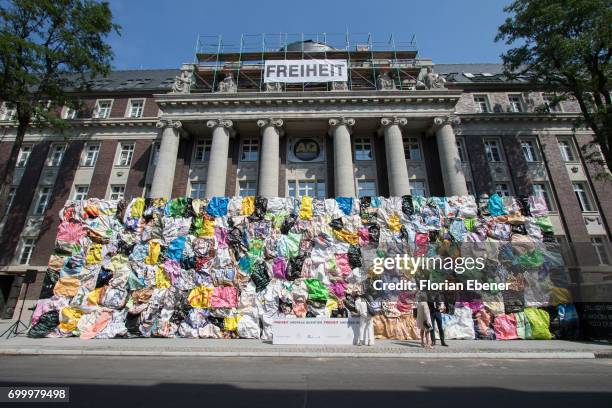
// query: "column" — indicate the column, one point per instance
point(163, 178)
point(450, 162)
point(344, 180)
point(397, 169)
point(217, 165)
point(271, 132)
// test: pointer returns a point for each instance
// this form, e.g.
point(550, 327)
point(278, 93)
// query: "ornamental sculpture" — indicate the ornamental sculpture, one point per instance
point(228, 85)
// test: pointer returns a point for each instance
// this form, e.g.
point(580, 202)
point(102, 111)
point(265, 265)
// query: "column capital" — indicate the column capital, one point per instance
point(164, 123)
point(452, 120)
point(342, 121)
point(276, 123)
point(222, 123)
point(385, 122)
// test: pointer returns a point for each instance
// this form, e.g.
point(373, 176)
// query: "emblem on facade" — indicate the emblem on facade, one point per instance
point(306, 149)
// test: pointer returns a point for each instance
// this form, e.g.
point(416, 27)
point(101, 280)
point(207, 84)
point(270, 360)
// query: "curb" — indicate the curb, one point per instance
point(267, 354)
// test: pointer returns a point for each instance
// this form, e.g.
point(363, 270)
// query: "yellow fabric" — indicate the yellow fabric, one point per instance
point(209, 228)
point(161, 278)
point(94, 296)
point(347, 236)
point(94, 254)
point(137, 208)
point(69, 317)
point(67, 287)
point(154, 248)
point(559, 296)
point(230, 323)
point(200, 296)
point(248, 205)
point(394, 223)
point(306, 208)
point(332, 304)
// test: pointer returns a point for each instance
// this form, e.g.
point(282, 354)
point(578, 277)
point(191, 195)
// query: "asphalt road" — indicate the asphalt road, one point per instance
point(283, 382)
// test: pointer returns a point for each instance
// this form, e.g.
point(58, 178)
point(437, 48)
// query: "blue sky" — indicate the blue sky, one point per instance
point(162, 33)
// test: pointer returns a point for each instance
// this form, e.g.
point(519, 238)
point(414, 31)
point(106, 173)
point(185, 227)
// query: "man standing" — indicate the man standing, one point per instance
point(366, 330)
point(436, 308)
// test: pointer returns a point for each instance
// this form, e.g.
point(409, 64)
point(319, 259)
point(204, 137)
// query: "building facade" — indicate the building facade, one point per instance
point(397, 125)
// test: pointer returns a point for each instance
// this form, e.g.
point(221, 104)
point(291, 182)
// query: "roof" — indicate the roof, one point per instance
point(472, 73)
point(143, 79)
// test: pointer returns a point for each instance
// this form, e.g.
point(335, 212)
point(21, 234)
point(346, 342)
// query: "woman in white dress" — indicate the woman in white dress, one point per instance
point(424, 320)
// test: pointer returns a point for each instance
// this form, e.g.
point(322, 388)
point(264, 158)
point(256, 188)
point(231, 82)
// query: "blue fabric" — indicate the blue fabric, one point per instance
point(139, 252)
point(496, 205)
point(375, 202)
point(217, 207)
point(175, 249)
point(345, 204)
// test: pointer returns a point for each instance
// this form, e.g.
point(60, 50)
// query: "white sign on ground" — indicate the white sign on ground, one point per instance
point(315, 331)
point(296, 71)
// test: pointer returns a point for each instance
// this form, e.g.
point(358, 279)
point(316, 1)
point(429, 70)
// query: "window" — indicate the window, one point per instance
point(250, 149)
point(412, 149)
point(80, 193)
point(541, 190)
point(155, 154)
point(461, 150)
point(91, 154)
point(136, 108)
point(27, 249)
point(69, 113)
point(548, 103)
point(202, 150)
point(9, 112)
point(198, 189)
point(102, 109)
point(502, 190)
point(117, 192)
point(43, 200)
point(530, 151)
point(311, 188)
point(147, 190)
point(580, 189)
point(481, 103)
point(566, 149)
point(24, 155)
point(247, 188)
point(56, 153)
point(10, 199)
point(417, 188)
point(492, 151)
point(126, 154)
point(602, 249)
point(366, 188)
point(363, 149)
point(516, 103)
point(470, 188)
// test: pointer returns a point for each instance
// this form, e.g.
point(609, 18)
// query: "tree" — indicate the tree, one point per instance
point(565, 46)
point(48, 50)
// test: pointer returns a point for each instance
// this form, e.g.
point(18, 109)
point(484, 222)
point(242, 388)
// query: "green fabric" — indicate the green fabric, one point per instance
point(531, 259)
point(293, 244)
point(278, 219)
point(178, 206)
point(523, 329)
point(539, 320)
point(544, 223)
point(134, 283)
point(316, 290)
point(469, 223)
point(256, 247)
point(197, 226)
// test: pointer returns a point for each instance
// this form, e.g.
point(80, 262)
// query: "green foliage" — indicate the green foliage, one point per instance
point(565, 46)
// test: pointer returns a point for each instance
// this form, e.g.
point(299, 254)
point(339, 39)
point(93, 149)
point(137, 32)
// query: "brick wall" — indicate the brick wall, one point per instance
point(432, 166)
point(61, 193)
point(329, 156)
point(5, 153)
point(282, 167)
point(102, 171)
point(381, 166)
point(21, 204)
point(517, 165)
point(138, 171)
point(483, 182)
point(181, 171)
point(233, 154)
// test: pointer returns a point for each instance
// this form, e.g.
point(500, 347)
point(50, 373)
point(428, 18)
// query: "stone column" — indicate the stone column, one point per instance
point(344, 179)
point(450, 162)
point(397, 169)
point(271, 132)
point(163, 178)
point(217, 165)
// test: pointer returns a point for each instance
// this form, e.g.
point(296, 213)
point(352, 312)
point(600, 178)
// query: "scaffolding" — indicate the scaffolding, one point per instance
point(244, 59)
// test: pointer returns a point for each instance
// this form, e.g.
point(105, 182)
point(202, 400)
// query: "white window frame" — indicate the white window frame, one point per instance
point(126, 154)
point(409, 147)
point(602, 249)
point(530, 149)
point(299, 188)
point(546, 97)
point(364, 149)
point(197, 189)
point(116, 191)
point(42, 200)
point(489, 150)
point(247, 188)
point(252, 143)
point(461, 152)
point(542, 189)
point(27, 244)
point(504, 188)
point(69, 113)
point(483, 106)
point(370, 191)
point(8, 113)
point(201, 152)
point(24, 154)
point(566, 145)
point(516, 106)
point(86, 161)
point(418, 186)
point(52, 159)
point(129, 113)
point(81, 192)
point(107, 111)
point(583, 195)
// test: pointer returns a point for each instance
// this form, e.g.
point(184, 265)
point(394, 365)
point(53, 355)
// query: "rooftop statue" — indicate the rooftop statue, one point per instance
point(228, 85)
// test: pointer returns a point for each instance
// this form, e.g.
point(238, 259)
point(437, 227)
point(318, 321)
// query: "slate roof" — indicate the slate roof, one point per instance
point(131, 80)
point(473, 73)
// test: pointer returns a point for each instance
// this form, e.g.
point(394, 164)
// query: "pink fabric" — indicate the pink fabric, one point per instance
point(224, 296)
point(102, 320)
point(364, 236)
point(173, 270)
point(505, 327)
point(221, 236)
point(46, 305)
point(342, 264)
point(421, 240)
point(299, 309)
point(70, 232)
point(279, 268)
point(338, 289)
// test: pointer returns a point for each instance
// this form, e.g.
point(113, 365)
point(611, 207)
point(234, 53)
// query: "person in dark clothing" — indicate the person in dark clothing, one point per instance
point(437, 306)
